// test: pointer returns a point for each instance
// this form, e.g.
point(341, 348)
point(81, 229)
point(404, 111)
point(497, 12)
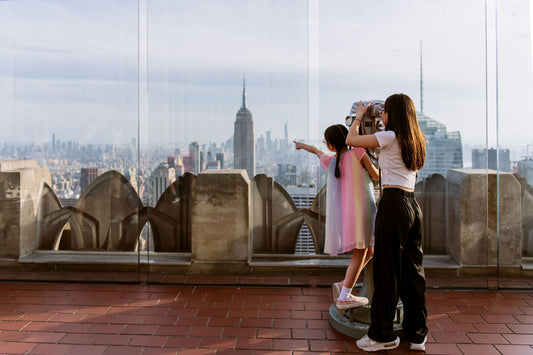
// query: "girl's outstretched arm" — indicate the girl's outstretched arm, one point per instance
point(309, 148)
point(373, 172)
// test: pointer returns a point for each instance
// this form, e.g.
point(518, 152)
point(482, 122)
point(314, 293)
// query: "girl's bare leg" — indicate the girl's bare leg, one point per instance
point(360, 258)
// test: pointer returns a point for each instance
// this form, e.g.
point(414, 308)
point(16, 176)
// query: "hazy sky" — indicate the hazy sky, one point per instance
point(100, 71)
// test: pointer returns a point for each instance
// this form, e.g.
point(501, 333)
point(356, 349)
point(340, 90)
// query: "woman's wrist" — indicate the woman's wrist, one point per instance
point(356, 124)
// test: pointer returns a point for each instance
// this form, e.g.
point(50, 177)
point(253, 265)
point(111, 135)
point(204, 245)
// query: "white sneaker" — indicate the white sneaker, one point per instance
point(419, 347)
point(367, 344)
point(351, 302)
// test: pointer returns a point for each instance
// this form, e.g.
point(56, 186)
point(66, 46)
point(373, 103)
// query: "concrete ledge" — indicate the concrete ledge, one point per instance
point(527, 263)
point(341, 261)
point(106, 258)
point(440, 262)
point(284, 260)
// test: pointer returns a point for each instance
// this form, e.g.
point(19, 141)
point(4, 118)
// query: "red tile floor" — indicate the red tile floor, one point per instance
point(93, 318)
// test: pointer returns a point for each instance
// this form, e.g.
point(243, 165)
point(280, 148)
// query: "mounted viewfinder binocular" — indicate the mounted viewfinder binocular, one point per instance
point(371, 120)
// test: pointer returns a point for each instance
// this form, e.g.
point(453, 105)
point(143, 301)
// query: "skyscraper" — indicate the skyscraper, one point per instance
point(220, 158)
point(303, 197)
point(194, 154)
point(480, 159)
point(243, 139)
point(162, 177)
point(286, 138)
point(87, 175)
point(444, 150)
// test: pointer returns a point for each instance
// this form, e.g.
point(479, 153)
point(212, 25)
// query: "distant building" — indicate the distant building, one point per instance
point(213, 165)
point(243, 139)
point(202, 161)
point(170, 161)
point(131, 176)
point(269, 144)
point(178, 166)
point(162, 177)
point(194, 155)
point(525, 168)
point(187, 164)
point(87, 175)
point(220, 159)
point(480, 160)
point(444, 150)
point(288, 174)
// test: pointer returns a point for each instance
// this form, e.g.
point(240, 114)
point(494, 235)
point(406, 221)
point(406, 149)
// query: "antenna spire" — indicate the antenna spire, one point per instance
point(243, 92)
point(421, 83)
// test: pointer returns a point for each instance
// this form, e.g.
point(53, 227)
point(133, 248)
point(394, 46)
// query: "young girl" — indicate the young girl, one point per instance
point(350, 208)
point(398, 270)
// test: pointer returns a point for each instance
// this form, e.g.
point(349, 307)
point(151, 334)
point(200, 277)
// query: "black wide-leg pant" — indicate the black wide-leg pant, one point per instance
point(398, 270)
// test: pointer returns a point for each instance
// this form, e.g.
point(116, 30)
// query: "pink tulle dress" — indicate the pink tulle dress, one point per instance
point(350, 204)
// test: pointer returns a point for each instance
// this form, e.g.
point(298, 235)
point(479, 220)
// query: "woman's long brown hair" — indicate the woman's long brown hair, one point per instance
point(402, 120)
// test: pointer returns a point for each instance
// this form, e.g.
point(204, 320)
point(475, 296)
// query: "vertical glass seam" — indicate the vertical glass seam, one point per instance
point(138, 130)
point(497, 147)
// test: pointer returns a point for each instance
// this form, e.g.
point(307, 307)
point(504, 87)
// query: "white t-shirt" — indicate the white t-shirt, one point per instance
point(393, 169)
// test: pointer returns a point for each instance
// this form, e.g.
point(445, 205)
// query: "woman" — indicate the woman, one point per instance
point(398, 270)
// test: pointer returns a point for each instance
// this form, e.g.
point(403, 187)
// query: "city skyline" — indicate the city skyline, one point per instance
point(84, 74)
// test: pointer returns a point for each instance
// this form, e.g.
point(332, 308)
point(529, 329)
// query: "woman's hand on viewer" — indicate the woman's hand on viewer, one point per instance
point(360, 109)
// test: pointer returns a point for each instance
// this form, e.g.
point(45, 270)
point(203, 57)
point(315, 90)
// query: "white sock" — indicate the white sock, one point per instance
point(345, 293)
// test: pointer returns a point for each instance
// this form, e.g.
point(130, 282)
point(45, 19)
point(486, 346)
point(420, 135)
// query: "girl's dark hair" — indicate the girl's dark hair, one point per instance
point(336, 136)
point(402, 120)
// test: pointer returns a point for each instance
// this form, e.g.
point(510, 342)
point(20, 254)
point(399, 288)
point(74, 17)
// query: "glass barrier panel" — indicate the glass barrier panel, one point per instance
point(68, 156)
point(510, 151)
point(370, 51)
point(156, 140)
point(227, 93)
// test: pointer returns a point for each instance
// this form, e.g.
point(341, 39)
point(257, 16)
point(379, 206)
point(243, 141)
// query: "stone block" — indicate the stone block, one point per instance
point(474, 209)
point(11, 165)
point(20, 188)
point(221, 217)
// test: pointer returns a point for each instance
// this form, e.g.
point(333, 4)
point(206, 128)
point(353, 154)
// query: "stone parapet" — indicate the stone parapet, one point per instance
point(221, 221)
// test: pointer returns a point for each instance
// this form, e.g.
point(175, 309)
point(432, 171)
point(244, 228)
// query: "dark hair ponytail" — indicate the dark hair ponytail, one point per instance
point(336, 136)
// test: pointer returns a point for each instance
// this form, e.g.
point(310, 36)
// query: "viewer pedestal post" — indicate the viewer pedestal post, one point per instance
point(355, 322)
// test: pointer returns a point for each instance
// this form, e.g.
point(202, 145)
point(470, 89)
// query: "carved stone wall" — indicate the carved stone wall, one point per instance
point(277, 221)
point(222, 216)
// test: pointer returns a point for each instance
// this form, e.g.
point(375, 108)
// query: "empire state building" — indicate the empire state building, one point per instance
point(243, 139)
